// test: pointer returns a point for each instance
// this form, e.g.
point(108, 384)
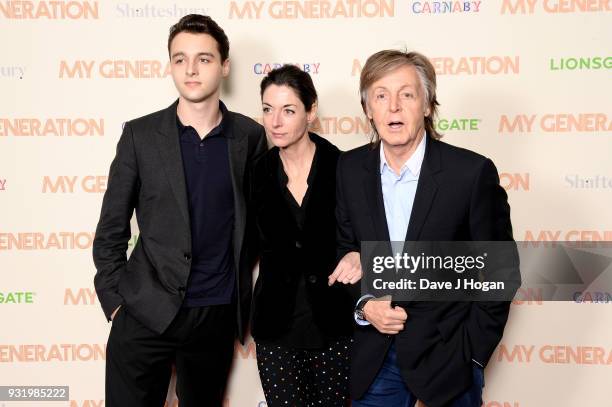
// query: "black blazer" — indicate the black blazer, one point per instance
point(285, 257)
point(458, 198)
point(147, 176)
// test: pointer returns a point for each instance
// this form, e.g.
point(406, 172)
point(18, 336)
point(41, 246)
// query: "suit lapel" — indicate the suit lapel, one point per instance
point(237, 143)
point(171, 158)
point(373, 192)
point(426, 190)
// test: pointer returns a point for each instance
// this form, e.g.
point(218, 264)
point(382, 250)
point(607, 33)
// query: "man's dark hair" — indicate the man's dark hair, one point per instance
point(199, 24)
point(294, 78)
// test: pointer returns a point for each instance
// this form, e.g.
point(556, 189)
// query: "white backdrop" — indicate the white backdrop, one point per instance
point(525, 82)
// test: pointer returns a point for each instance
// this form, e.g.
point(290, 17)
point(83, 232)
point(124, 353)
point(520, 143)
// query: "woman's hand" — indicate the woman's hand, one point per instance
point(348, 270)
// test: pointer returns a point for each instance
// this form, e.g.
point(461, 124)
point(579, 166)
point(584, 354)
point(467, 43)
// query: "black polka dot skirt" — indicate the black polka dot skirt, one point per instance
point(305, 377)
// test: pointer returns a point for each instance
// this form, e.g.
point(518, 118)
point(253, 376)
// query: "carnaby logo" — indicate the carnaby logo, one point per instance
point(568, 235)
point(17, 297)
point(262, 68)
point(12, 71)
point(445, 7)
point(152, 10)
point(318, 9)
point(2, 184)
point(514, 181)
point(595, 297)
point(463, 124)
point(114, 69)
point(581, 63)
point(555, 123)
point(592, 182)
point(51, 10)
point(554, 6)
point(475, 65)
point(555, 354)
point(46, 241)
point(65, 352)
point(58, 127)
point(71, 184)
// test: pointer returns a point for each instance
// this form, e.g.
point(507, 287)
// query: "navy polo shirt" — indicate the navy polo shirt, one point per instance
point(211, 210)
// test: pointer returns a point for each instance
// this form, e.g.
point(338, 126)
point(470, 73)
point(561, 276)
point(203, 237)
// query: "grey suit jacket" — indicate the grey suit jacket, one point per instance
point(147, 175)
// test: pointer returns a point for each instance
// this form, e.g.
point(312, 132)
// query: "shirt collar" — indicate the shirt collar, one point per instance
point(413, 164)
point(217, 130)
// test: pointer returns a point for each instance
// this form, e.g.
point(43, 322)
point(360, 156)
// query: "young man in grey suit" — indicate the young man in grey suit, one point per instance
point(183, 296)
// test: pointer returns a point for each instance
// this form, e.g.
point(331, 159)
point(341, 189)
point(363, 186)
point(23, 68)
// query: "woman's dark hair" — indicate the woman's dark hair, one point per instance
point(294, 78)
point(199, 24)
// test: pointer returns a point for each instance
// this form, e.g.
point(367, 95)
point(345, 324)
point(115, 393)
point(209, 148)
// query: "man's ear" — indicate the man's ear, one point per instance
point(368, 112)
point(226, 67)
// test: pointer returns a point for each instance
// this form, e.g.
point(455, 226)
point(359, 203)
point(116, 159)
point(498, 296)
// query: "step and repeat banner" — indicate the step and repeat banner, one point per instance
point(527, 83)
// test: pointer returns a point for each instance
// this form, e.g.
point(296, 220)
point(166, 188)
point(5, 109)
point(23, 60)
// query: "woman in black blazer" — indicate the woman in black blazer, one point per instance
point(302, 325)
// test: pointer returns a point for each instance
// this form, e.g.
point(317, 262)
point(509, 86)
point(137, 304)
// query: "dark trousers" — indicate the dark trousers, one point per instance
point(305, 377)
point(389, 390)
point(200, 342)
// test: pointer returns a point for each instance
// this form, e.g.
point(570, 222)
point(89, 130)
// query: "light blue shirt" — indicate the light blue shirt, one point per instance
point(398, 195)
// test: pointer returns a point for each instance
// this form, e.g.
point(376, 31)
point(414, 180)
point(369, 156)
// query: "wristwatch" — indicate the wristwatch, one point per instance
point(359, 310)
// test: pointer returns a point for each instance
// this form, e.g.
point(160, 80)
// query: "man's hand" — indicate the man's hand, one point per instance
point(348, 270)
point(115, 312)
point(385, 319)
point(419, 403)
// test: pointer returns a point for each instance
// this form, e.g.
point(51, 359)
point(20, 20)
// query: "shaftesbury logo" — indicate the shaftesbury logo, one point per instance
point(148, 10)
point(51, 10)
point(12, 71)
point(554, 6)
point(593, 182)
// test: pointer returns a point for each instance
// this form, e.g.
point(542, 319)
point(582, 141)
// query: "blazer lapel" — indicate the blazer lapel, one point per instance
point(237, 143)
point(373, 192)
point(172, 160)
point(426, 190)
